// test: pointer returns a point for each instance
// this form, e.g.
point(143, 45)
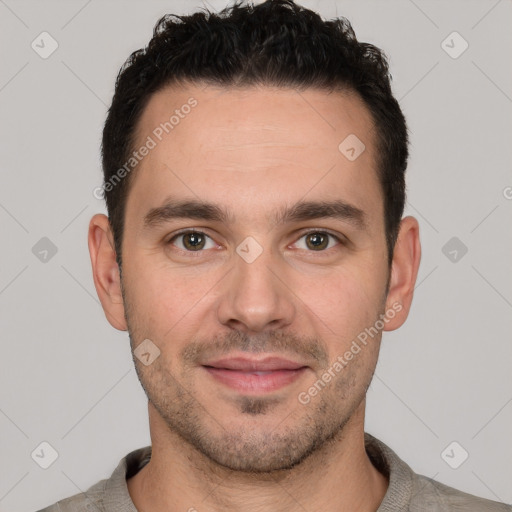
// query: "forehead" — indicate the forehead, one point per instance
point(236, 145)
point(239, 119)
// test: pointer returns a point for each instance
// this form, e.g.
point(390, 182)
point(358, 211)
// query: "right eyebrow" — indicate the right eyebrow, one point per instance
point(185, 210)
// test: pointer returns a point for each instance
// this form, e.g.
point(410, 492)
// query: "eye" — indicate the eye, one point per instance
point(317, 241)
point(192, 241)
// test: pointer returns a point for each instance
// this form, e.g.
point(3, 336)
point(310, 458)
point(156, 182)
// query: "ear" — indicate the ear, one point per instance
point(404, 270)
point(105, 270)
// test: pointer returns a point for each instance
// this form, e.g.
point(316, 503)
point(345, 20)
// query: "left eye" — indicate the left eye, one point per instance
point(317, 241)
point(192, 241)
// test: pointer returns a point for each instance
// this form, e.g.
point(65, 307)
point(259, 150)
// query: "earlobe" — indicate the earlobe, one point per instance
point(106, 271)
point(404, 271)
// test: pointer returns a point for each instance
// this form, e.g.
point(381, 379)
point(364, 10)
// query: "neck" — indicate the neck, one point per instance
point(339, 477)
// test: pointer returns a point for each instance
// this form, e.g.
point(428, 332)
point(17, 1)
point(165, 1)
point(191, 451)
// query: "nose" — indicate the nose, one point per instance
point(255, 296)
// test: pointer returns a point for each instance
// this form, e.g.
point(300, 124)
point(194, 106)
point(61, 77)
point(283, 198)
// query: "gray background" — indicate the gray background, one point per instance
point(66, 375)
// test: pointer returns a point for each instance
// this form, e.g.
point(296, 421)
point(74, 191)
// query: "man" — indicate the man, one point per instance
point(255, 250)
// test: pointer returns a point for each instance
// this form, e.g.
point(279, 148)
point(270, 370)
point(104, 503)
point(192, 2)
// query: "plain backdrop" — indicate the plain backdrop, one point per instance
point(66, 376)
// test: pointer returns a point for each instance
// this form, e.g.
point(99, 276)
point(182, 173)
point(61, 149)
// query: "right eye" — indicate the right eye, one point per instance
point(192, 241)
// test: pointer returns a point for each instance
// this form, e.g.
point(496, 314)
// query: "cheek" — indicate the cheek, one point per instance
point(342, 308)
point(166, 304)
point(343, 299)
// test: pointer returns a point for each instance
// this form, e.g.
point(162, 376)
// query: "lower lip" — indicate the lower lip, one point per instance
point(253, 382)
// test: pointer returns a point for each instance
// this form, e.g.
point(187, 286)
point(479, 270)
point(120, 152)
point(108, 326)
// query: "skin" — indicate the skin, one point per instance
point(255, 151)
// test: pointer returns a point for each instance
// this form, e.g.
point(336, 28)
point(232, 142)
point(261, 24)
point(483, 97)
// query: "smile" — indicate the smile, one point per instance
point(255, 376)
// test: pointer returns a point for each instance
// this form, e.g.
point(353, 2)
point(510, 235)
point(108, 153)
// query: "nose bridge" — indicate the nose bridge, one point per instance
point(254, 298)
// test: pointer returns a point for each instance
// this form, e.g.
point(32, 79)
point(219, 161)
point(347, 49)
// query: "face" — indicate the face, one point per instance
point(254, 255)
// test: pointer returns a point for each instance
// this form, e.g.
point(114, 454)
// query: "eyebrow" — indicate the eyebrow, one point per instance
point(311, 210)
point(301, 211)
point(190, 209)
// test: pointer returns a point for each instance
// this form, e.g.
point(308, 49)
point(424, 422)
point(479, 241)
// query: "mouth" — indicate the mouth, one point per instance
point(255, 376)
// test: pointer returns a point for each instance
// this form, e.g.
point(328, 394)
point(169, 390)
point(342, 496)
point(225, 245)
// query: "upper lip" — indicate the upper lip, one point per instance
point(245, 364)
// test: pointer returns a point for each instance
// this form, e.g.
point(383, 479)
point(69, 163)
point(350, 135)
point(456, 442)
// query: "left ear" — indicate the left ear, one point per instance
point(404, 270)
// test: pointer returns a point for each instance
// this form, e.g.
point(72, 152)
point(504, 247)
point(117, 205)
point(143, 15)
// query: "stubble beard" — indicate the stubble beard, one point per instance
point(295, 435)
point(291, 439)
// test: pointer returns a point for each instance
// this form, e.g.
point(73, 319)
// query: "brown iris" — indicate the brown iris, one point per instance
point(193, 241)
point(317, 241)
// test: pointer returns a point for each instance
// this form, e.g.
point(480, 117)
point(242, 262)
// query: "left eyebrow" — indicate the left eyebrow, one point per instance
point(301, 211)
point(311, 210)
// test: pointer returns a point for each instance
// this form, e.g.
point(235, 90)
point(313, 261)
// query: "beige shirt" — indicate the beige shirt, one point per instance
point(407, 491)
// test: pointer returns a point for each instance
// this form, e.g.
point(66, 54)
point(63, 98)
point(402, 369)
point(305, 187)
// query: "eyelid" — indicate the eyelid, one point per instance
point(340, 238)
point(187, 231)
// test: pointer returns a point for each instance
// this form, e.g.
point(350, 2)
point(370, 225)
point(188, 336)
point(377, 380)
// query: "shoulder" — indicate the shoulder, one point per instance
point(90, 501)
point(412, 492)
point(108, 494)
point(432, 496)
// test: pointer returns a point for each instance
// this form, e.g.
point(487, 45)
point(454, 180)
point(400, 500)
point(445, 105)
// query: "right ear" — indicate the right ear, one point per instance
point(105, 270)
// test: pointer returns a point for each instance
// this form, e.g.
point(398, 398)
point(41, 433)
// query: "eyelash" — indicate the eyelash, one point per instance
point(316, 231)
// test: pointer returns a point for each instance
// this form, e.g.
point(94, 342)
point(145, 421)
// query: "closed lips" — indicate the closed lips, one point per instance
point(262, 367)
